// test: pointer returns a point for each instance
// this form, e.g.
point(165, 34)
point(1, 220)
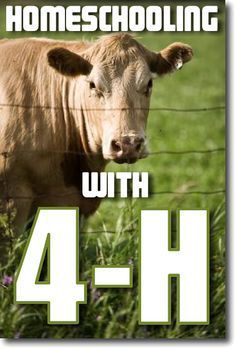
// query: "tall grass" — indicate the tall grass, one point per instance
point(113, 313)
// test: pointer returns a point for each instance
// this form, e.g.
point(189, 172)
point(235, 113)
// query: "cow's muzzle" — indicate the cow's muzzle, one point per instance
point(127, 149)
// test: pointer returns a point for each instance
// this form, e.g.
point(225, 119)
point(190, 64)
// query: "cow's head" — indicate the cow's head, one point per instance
point(118, 77)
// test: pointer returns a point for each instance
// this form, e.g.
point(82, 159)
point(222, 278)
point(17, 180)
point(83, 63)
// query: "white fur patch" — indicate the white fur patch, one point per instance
point(154, 75)
point(179, 64)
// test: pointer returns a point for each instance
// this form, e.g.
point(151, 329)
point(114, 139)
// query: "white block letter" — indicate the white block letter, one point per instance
point(189, 262)
point(14, 19)
point(31, 18)
point(209, 25)
point(98, 186)
point(140, 185)
point(54, 230)
point(53, 18)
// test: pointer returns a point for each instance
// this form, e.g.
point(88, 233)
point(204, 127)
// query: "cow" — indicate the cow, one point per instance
point(67, 107)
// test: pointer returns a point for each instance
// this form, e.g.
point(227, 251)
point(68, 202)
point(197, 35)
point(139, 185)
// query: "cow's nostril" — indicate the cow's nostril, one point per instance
point(138, 147)
point(139, 142)
point(116, 146)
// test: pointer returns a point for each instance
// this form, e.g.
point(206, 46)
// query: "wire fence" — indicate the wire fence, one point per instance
point(61, 108)
point(7, 154)
point(7, 195)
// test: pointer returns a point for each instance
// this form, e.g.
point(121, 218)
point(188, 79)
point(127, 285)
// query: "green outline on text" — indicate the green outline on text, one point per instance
point(128, 266)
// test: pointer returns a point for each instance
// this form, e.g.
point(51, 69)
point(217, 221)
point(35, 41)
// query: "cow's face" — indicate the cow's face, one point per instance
point(118, 86)
point(122, 92)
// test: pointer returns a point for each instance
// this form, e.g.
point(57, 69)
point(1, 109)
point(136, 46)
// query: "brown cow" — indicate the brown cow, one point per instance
point(69, 107)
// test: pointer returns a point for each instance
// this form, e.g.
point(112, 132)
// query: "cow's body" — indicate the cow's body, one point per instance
point(50, 131)
point(36, 137)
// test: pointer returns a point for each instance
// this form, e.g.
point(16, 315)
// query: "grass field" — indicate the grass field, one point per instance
point(114, 313)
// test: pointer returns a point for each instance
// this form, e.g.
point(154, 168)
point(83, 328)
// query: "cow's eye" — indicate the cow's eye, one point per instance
point(92, 85)
point(149, 86)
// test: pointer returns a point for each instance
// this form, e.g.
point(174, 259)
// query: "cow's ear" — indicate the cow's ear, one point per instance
point(171, 58)
point(67, 62)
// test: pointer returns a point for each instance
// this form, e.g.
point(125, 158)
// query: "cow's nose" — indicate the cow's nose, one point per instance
point(127, 147)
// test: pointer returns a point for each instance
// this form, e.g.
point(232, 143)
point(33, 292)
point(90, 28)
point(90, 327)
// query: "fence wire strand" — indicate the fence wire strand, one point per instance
point(183, 110)
point(75, 193)
point(160, 152)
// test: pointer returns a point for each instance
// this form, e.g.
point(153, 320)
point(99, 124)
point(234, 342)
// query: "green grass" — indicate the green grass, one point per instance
point(113, 313)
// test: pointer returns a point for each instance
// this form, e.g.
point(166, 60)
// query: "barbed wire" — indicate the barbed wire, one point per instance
point(200, 109)
point(214, 192)
point(160, 152)
point(75, 193)
point(183, 152)
point(103, 231)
